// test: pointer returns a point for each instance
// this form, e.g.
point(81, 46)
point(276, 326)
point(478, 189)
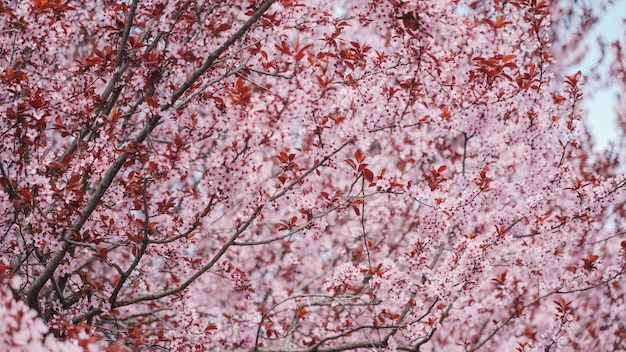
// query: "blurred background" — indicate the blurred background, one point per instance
point(600, 100)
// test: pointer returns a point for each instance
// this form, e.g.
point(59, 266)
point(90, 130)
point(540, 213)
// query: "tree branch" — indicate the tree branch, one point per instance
point(208, 63)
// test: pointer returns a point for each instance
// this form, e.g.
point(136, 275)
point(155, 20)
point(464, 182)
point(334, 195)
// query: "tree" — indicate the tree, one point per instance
point(305, 176)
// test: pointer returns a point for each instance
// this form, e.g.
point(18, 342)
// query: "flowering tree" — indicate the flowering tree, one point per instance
point(305, 176)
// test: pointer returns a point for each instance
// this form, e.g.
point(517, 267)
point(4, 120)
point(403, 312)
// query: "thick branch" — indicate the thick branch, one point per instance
point(40, 281)
point(208, 63)
point(129, 24)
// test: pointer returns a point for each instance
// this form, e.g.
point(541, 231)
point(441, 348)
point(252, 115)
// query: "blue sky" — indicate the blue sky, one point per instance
point(601, 117)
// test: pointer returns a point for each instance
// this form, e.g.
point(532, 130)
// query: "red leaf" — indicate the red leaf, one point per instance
point(40, 4)
point(11, 75)
point(573, 79)
point(445, 112)
point(239, 85)
point(25, 195)
point(152, 101)
point(500, 278)
point(589, 262)
point(301, 312)
point(368, 174)
point(507, 58)
point(562, 306)
point(283, 48)
point(221, 28)
point(499, 22)
point(302, 52)
point(283, 157)
point(410, 21)
point(359, 156)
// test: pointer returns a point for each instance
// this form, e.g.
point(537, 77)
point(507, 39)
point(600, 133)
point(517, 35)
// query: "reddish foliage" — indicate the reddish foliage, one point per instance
point(303, 176)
